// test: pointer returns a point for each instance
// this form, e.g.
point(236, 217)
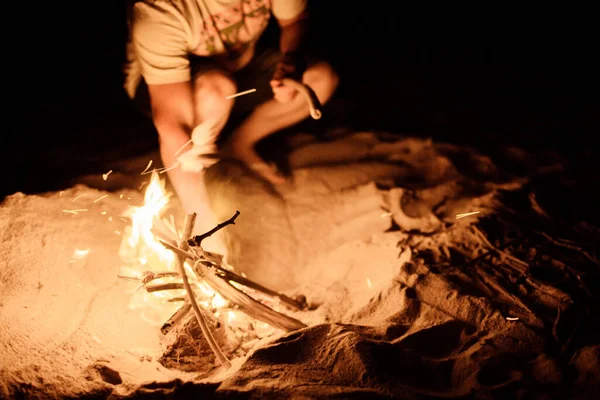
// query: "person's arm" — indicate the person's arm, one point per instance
point(292, 64)
point(161, 47)
point(172, 110)
point(292, 33)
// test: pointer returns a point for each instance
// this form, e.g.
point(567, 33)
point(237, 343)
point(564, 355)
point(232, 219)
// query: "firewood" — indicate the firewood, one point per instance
point(196, 241)
point(187, 231)
point(246, 303)
point(232, 276)
point(176, 318)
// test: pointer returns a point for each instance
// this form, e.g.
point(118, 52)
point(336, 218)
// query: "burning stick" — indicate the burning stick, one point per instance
point(246, 303)
point(163, 286)
point(176, 318)
point(232, 276)
point(187, 231)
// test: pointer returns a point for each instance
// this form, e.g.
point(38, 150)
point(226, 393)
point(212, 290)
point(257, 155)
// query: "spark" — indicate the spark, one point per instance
point(118, 233)
point(96, 339)
point(121, 196)
point(147, 167)
point(369, 283)
point(512, 318)
point(78, 197)
point(100, 198)
point(103, 213)
point(79, 254)
point(459, 216)
point(240, 93)
point(110, 219)
point(386, 214)
point(105, 176)
point(75, 211)
point(60, 193)
point(142, 185)
point(183, 147)
point(163, 170)
point(123, 219)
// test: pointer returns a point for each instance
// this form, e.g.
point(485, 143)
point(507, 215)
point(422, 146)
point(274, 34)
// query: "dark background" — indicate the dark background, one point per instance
point(478, 77)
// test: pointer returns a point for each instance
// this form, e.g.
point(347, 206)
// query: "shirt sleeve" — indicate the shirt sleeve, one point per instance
point(287, 9)
point(160, 45)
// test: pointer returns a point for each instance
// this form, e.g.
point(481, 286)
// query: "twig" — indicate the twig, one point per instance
point(565, 244)
point(177, 250)
point(187, 231)
point(196, 241)
point(247, 304)
point(486, 254)
point(555, 326)
point(314, 105)
point(497, 287)
point(150, 276)
point(548, 290)
point(163, 286)
point(232, 276)
point(176, 318)
point(510, 256)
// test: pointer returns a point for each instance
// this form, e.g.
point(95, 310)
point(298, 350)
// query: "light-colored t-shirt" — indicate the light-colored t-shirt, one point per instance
point(164, 33)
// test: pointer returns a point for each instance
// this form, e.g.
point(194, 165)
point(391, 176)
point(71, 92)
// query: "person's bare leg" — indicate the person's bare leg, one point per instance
point(273, 116)
point(210, 90)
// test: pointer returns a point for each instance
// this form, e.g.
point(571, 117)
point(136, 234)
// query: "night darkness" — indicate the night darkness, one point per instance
point(483, 78)
point(422, 268)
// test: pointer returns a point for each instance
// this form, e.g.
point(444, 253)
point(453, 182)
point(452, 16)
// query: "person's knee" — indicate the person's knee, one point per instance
point(323, 78)
point(210, 93)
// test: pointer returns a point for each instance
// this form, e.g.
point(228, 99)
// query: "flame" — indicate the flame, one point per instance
point(143, 254)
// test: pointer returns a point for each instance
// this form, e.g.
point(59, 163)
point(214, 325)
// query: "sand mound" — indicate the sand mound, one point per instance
point(367, 230)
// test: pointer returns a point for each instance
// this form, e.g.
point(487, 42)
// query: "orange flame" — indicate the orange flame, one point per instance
point(142, 252)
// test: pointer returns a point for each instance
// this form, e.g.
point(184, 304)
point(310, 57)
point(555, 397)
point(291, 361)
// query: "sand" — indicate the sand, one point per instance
point(366, 230)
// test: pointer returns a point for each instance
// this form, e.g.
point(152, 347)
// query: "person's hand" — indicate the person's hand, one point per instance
point(203, 152)
point(291, 66)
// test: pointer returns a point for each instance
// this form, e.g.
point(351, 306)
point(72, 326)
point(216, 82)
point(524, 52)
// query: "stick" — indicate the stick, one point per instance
point(196, 241)
point(566, 245)
point(246, 303)
point(177, 250)
point(232, 276)
point(163, 286)
point(187, 231)
point(311, 98)
point(150, 276)
point(507, 255)
point(176, 318)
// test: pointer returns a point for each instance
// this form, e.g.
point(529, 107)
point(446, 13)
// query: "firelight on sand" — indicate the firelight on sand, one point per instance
point(451, 313)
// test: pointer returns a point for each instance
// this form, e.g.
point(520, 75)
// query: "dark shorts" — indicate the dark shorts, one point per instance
point(256, 75)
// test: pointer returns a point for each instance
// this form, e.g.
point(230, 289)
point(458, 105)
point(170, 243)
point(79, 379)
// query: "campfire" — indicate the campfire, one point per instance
point(175, 277)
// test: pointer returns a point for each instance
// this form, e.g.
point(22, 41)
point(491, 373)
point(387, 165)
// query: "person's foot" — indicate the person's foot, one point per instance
point(249, 157)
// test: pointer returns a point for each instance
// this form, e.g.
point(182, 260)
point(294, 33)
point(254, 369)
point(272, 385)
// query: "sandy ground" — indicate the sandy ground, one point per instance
point(367, 230)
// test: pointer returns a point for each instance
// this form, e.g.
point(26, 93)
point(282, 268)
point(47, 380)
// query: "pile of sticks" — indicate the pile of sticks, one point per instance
point(209, 268)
